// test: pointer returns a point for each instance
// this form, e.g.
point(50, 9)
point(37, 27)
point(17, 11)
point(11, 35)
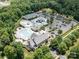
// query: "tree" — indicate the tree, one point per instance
point(19, 48)
point(68, 42)
point(62, 48)
point(72, 37)
point(74, 52)
point(59, 31)
point(10, 52)
point(70, 7)
point(59, 39)
point(42, 53)
point(1, 46)
point(5, 38)
point(48, 56)
point(61, 1)
point(76, 33)
point(55, 42)
point(45, 49)
point(38, 54)
point(78, 30)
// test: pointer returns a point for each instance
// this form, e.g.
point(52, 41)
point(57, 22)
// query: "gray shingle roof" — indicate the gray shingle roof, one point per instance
point(30, 16)
point(39, 39)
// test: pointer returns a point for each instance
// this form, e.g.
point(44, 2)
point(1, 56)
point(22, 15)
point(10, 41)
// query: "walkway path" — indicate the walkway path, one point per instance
point(77, 27)
point(4, 4)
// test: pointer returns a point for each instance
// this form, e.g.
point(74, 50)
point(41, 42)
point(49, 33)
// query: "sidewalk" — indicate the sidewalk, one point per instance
point(4, 4)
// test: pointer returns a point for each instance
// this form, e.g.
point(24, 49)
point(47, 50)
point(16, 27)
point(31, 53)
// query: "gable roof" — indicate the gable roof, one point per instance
point(36, 40)
point(40, 38)
point(30, 16)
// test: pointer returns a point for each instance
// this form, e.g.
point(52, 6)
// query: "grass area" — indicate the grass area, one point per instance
point(28, 55)
point(1, 57)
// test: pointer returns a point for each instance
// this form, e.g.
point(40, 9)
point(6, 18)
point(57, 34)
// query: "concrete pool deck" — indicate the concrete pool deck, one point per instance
point(23, 33)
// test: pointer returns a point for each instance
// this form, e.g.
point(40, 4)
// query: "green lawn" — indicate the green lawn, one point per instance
point(28, 55)
point(1, 57)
